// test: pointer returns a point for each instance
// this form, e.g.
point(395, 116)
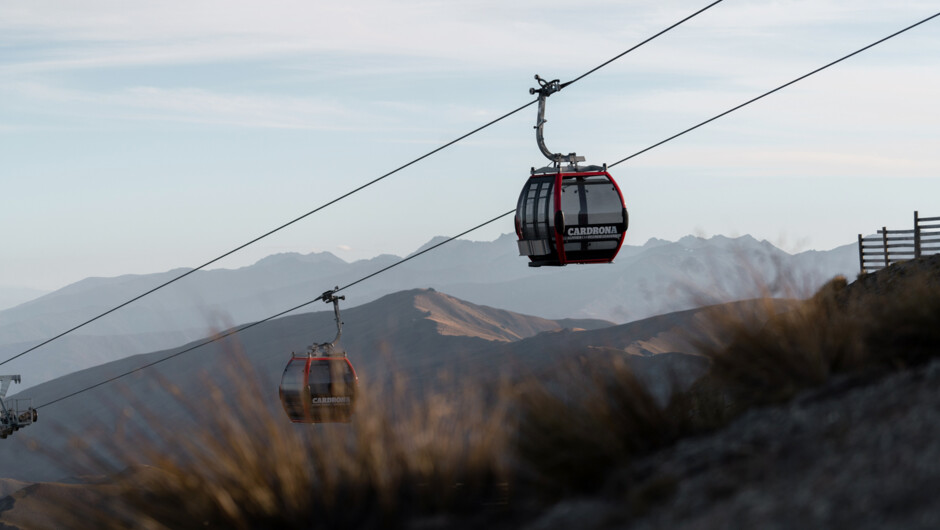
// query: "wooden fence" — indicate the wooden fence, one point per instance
point(891, 246)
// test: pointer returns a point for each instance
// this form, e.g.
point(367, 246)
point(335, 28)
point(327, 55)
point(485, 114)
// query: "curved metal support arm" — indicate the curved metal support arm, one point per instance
point(328, 297)
point(547, 88)
point(328, 348)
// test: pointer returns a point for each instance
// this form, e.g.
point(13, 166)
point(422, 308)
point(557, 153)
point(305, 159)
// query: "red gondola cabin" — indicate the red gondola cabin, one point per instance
point(570, 215)
point(318, 389)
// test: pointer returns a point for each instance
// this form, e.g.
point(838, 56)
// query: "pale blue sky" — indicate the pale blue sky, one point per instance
point(137, 137)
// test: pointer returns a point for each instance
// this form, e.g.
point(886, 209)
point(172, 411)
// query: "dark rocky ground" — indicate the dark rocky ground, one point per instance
point(860, 452)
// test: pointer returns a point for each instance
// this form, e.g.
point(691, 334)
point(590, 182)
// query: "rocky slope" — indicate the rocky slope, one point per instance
point(857, 453)
point(860, 450)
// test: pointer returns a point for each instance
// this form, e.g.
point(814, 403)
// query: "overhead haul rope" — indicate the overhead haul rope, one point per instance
point(259, 238)
point(781, 87)
point(239, 329)
point(360, 188)
point(243, 328)
point(641, 43)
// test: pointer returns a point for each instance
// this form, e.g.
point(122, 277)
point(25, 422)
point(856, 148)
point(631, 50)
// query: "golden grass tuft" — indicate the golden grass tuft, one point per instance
point(902, 318)
point(882, 321)
point(592, 417)
point(236, 464)
point(577, 430)
point(768, 352)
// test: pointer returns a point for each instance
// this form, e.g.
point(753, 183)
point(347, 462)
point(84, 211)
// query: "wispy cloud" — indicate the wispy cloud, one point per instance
point(797, 160)
point(246, 110)
point(194, 105)
point(250, 109)
point(109, 33)
point(747, 46)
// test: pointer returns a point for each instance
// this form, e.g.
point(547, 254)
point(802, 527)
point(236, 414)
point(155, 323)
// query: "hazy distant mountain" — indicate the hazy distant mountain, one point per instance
point(655, 278)
point(416, 333)
point(14, 296)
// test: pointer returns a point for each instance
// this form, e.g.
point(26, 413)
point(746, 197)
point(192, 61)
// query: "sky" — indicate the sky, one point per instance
point(139, 137)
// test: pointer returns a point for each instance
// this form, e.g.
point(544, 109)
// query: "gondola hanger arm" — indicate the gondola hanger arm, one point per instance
point(547, 88)
point(330, 297)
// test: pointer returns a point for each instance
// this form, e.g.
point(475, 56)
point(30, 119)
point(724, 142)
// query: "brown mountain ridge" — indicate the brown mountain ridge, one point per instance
point(414, 334)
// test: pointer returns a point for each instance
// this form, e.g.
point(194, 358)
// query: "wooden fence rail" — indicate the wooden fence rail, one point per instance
point(891, 246)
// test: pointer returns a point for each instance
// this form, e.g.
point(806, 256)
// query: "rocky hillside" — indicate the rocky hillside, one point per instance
point(858, 452)
point(857, 448)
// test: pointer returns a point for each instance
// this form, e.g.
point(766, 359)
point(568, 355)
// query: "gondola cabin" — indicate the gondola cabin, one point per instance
point(318, 389)
point(14, 413)
point(570, 215)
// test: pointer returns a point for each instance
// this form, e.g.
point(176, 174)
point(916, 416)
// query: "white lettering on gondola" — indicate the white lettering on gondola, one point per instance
point(331, 400)
point(591, 232)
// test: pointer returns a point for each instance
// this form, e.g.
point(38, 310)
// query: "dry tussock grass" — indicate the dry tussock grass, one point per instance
point(591, 417)
point(577, 431)
point(236, 464)
point(882, 321)
point(243, 466)
point(765, 352)
point(903, 315)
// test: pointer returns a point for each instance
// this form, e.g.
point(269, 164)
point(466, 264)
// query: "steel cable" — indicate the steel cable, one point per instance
point(769, 92)
point(360, 188)
point(239, 329)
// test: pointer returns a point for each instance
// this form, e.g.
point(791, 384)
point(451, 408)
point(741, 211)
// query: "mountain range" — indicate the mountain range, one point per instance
point(655, 278)
point(14, 296)
point(409, 337)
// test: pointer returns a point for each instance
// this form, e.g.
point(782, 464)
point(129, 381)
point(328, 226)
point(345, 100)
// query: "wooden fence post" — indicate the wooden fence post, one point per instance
point(916, 235)
point(884, 241)
point(861, 255)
